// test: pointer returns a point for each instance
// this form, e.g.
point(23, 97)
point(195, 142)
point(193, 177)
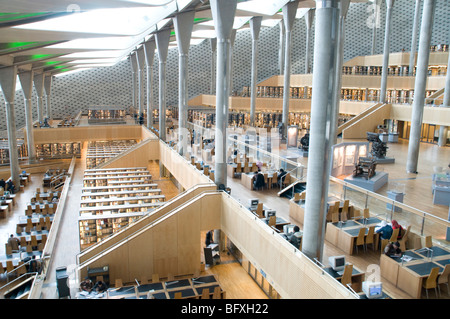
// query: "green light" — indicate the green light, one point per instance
point(39, 56)
point(198, 20)
point(10, 16)
point(59, 66)
point(50, 62)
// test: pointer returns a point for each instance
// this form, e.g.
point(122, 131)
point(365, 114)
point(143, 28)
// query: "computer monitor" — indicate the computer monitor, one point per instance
point(270, 213)
point(337, 263)
point(288, 229)
point(254, 202)
point(372, 289)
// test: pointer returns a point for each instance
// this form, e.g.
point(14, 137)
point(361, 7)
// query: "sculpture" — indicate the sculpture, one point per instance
point(365, 167)
point(304, 141)
point(379, 148)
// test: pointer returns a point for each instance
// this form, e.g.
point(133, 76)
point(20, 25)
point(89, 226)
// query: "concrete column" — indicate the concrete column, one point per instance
point(420, 85)
point(134, 69)
point(183, 24)
point(39, 87)
point(282, 47)
point(8, 76)
point(343, 9)
point(230, 65)
point(26, 81)
point(412, 54)
point(289, 11)
point(213, 43)
point(446, 103)
point(140, 59)
point(255, 27)
point(386, 48)
point(376, 24)
point(322, 108)
point(48, 91)
point(223, 12)
point(149, 50)
point(162, 46)
point(309, 17)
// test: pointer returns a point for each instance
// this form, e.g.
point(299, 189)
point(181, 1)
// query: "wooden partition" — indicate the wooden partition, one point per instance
point(171, 245)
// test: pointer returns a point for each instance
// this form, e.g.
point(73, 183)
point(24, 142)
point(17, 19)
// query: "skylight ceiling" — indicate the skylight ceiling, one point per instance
point(63, 35)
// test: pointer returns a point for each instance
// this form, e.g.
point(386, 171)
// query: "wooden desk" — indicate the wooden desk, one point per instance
point(247, 180)
point(409, 275)
point(357, 277)
point(343, 235)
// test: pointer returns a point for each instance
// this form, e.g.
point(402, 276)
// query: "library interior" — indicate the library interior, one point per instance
point(225, 149)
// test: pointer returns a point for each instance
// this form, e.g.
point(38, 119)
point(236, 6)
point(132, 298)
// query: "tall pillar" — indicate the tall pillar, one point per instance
point(48, 91)
point(149, 50)
point(309, 17)
point(223, 12)
point(289, 11)
point(8, 77)
point(386, 48)
point(213, 43)
point(343, 9)
point(39, 87)
point(230, 65)
point(26, 81)
point(255, 27)
point(183, 24)
point(376, 24)
point(282, 47)
point(162, 46)
point(140, 59)
point(420, 85)
point(446, 103)
point(412, 54)
point(134, 68)
point(322, 108)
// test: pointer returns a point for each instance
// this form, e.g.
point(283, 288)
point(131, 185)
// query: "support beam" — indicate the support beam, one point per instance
point(8, 76)
point(429, 7)
point(39, 87)
point(134, 69)
point(343, 9)
point(149, 50)
point(230, 65)
point(183, 24)
point(309, 18)
point(322, 110)
point(255, 27)
point(386, 49)
point(213, 43)
point(375, 23)
point(162, 46)
point(412, 54)
point(289, 11)
point(443, 130)
point(281, 47)
point(223, 12)
point(140, 59)
point(48, 91)
point(26, 82)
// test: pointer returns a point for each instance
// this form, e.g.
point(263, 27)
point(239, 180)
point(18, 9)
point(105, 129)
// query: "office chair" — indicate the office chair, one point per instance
point(360, 239)
point(370, 238)
point(347, 275)
point(431, 281)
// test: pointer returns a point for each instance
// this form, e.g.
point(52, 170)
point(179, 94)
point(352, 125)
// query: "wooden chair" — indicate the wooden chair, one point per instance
point(370, 238)
point(345, 207)
point(29, 249)
point(23, 242)
point(285, 180)
point(334, 217)
point(272, 221)
point(347, 275)
point(170, 277)
point(9, 266)
point(34, 242)
point(404, 238)
point(394, 235)
point(155, 278)
point(259, 210)
point(205, 293)
point(274, 179)
point(429, 241)
point(118, 283)
point(431, 281)
point(19, 229)
point(417, 243)
point(303, 195)
point(384, 242)
point(177, 295)
point(216, 294)
point(21, 269)
point(144, 280)
point(444, 279)
point(360, 240)
point(366, 213)
point(29, 226)
point(8, 249)
point(356, 214)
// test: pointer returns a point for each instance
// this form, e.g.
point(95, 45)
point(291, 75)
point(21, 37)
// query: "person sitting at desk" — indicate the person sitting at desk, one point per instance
point(393, 250)
point(259, 181)
point(2, 184)
point(11, 186)
point(209, 238)
point(86, 285)
point(14, 243)
point(100, 286)
point(396, 225)
point(385, 230)
point(34, 266)
point(280, 175)
point(296, 237)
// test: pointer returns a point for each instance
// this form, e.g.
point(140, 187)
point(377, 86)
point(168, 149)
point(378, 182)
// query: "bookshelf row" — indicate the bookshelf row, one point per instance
point(58, 150)
point(99, 152)
point(4, 150)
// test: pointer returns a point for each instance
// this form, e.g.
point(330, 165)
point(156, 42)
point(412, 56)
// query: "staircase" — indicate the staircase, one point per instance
point(365, 122)
point(357, 117)
point(433, 98)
